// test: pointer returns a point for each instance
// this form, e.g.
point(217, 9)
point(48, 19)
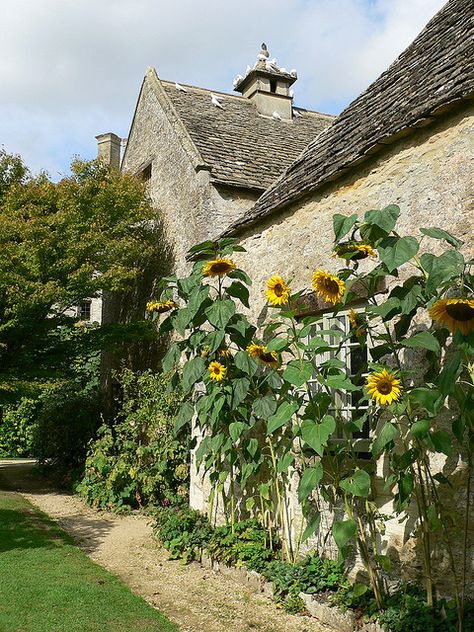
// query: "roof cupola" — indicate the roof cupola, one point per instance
point(268, 86)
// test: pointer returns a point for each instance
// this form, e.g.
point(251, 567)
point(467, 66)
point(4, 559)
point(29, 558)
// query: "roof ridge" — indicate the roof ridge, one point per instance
point(190, 146)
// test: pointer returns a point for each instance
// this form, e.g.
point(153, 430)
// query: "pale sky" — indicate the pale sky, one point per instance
point(72, 69)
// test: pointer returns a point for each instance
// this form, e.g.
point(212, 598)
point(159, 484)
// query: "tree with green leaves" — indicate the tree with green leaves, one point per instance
point(91, 233)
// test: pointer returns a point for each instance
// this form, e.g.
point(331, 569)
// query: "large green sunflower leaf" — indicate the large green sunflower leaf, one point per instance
point(238, 290)
point(388, 433)
point(192, 372)
point(342, 225)
point(357, 485)
point(422, 340)
point(316, 434)
point(395, 251)
point(311, 478)
point(245, 363)
point(220, 312)
point(265, 406)
point(439, 233)
point(298, 372)
point(283, 415)
point(343, 531)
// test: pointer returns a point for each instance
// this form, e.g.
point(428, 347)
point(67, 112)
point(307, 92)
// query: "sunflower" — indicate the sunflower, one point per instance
point(217, 371)
point(356, 322)
point(218, 267)
point(260, 353)
point(270, 358)
point(256, 350)
point(224, 353)
point(159, 307)
point(384, 387)
point(457, 314)
point(277, 291)
point(328, 285)
point(355, 250)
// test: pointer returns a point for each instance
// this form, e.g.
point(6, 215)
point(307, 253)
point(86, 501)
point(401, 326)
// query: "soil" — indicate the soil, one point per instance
point(197, 599)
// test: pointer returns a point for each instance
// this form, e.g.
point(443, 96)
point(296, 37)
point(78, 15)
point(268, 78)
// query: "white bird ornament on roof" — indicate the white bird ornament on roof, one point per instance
point(247, 70)
point(216, 101)
point(237, 80)
point(293, 72)
point(180, 88)
point(296, 113)
point(291, 93)
point(276, 116)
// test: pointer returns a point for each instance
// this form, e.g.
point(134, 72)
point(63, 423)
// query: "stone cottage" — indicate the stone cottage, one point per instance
point(208, 156)
point(223, 165)
point(407, 140)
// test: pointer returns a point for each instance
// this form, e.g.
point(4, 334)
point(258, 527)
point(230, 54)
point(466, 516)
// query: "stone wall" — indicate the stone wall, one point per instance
point(430, 175)
point(180, 185)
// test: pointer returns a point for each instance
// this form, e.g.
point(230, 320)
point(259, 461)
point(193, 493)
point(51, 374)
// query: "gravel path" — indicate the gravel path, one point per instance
point(197, 599)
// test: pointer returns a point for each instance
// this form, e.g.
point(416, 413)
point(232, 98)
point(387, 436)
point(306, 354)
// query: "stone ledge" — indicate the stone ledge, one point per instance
point(317, 607)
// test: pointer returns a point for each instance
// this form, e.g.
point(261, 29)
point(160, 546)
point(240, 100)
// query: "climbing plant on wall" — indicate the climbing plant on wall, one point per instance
point(269, 399)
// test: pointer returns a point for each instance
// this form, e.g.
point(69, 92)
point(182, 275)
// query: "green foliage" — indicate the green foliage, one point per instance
point(138, 461)
point(16, 428)
point(406, 611)
point(67, 417)
point(245, 544)
point(184, 532)
point(60, 244)
point(311, 575)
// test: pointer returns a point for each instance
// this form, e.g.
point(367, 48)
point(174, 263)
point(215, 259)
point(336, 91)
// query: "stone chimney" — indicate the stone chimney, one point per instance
point(268, 86)
point(108, 149)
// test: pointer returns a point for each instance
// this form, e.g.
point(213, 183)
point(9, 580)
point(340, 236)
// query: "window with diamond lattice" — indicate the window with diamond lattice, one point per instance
point(348, 406)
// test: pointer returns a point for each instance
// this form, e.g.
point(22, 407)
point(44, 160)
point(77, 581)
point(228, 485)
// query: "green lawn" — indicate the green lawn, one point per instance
point(49, 585)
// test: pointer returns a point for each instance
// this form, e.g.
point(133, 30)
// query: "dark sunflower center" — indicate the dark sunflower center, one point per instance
point(384, 387)
point(331, 287)
point(460, 311)
point(278, 289)
point(267, 357)
point(219, 267)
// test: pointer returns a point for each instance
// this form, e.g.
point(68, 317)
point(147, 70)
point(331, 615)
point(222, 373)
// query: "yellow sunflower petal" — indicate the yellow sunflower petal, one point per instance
point(457, 314)
point(384, 387)
point(328, 285)
point(217, 371)
point(220, 266)
point(278, 291)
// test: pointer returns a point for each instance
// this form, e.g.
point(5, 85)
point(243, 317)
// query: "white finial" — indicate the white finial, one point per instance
point(237, 80)
point(291, 93)
point(248, 69)
point(293, 72)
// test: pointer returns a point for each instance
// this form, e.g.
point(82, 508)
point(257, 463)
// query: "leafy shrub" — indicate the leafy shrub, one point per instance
point(139, 460)
point(67, 418)
point(406, 611)
point(16, 429)
point(311, 575)
point(246, 545)
point(182, 531)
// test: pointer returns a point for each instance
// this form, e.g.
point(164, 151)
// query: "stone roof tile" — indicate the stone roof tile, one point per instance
point(433, 73)
point(241, 147)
